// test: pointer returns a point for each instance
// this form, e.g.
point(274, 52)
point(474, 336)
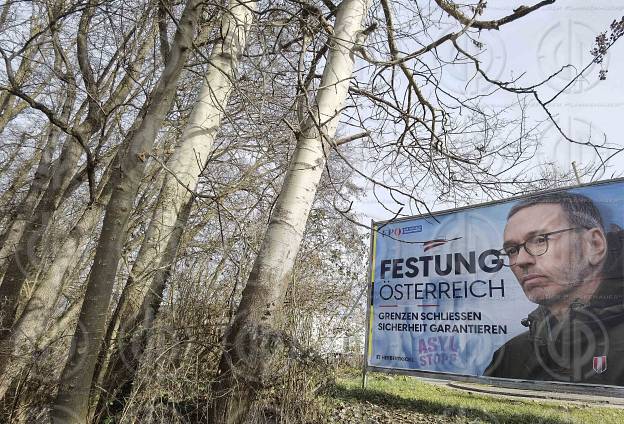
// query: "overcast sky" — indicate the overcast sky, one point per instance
point(538, 45)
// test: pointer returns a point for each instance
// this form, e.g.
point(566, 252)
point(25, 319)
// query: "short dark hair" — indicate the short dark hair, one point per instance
point(580, 210)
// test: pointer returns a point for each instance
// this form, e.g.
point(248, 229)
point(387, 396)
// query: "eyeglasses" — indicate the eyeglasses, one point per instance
point(534, 246)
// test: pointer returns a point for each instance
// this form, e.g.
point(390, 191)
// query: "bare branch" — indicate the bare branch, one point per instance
point(453, 10)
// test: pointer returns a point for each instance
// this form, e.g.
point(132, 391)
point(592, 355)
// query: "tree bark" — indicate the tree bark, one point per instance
point(71, 404)
point(123, 366)
point(21, 240)
point(26, 255)
point(183, 170)
point(15, 229)
point(249, 341)
point(30, 328)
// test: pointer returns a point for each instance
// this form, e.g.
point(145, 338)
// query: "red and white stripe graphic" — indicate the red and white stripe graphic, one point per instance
point(600, 364)
point(428, 245)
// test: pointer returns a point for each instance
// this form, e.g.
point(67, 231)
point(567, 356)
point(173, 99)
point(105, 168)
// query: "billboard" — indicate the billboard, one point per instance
point(530, 288)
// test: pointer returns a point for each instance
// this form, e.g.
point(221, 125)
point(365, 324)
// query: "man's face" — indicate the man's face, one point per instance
point(551, 277)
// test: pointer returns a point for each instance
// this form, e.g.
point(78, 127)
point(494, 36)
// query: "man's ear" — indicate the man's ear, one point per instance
point(596, 244)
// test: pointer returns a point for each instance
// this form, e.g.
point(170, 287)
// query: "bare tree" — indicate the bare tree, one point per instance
point(218, 160)
point(65, 176)
point(71, 404)
point(247, 343)
point(184, 168)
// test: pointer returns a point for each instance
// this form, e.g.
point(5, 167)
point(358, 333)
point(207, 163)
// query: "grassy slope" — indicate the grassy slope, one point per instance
point(392, 399)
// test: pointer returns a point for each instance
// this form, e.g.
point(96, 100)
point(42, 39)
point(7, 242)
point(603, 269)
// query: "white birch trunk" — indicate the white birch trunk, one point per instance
point(192, 152)
point(184, 167)
point(72, 400)
point(246, 343)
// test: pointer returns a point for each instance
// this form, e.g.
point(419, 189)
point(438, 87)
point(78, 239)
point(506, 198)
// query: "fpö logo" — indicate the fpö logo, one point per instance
point(397, 231)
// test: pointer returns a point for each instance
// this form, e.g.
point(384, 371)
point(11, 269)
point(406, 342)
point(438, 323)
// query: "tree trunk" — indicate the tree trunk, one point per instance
point(15, 107)
point(184, 168)
point(17, 214)
point(10, 106)
point(71, 405)
point(26, 256)
point(30, 328)
point(130, 346)
point(22, 240)
point(191, 156)
point(249, 341)
point(15, 228)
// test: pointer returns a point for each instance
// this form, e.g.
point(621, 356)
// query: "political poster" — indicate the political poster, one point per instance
point(528, 288)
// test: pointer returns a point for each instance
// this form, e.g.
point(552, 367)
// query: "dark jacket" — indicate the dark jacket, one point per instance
point(587, 346)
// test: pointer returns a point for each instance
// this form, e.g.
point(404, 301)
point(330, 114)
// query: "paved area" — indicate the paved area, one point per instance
point(533, 394)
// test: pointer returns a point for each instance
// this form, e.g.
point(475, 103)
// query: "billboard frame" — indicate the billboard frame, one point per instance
point(541, 385)
point(370, 277)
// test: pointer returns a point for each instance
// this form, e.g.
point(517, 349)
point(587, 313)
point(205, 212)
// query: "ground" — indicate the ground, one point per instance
point(401, 399)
